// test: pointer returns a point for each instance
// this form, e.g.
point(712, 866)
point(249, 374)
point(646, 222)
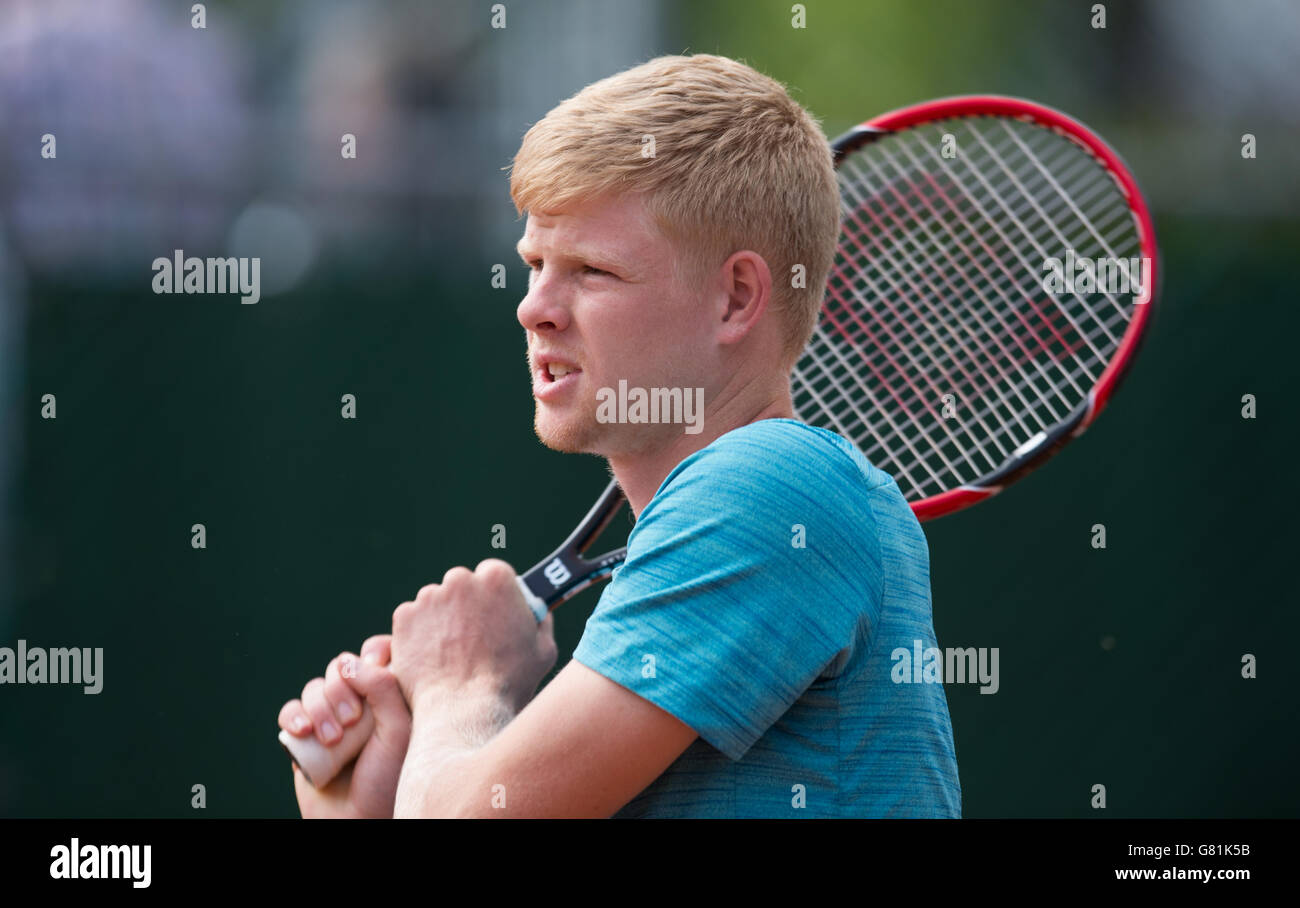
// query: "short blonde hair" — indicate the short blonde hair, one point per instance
point(737, 164)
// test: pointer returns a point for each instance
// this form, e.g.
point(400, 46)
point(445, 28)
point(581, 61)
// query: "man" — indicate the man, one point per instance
point(682, 218)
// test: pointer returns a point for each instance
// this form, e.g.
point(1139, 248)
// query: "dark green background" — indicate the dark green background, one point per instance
point(175, 410)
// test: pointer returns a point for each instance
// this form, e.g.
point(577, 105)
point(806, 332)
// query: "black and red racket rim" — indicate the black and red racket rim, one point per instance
point(1120, 362)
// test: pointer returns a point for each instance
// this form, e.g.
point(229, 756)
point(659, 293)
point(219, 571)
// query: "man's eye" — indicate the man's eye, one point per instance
point(589, 269)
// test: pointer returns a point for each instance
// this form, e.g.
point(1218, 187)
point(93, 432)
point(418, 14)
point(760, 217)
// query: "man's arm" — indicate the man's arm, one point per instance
point(583, 747)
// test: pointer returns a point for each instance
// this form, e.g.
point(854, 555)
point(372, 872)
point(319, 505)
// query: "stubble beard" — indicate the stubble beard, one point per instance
point(577, 433)
point(583, 434)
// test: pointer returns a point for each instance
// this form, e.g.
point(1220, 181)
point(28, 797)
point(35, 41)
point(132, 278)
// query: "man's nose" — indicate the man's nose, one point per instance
point(546, 306)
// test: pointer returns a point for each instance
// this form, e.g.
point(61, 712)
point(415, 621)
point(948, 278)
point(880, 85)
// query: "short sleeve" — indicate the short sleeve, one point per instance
point(750, 574)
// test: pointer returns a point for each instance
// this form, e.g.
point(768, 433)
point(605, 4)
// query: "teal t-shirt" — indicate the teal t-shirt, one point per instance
point(766, 585)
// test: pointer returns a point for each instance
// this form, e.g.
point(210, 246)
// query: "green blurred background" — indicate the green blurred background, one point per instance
point(1118, 666)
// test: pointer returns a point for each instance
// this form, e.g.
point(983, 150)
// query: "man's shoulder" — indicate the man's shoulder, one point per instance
point(773, 481)
point(781, 472)
point(775, 454)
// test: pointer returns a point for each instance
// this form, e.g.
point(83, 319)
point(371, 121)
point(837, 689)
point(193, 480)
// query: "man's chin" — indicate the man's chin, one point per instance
point(565, 436)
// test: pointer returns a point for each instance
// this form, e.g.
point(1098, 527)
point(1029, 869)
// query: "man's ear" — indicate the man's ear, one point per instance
point(747, 288)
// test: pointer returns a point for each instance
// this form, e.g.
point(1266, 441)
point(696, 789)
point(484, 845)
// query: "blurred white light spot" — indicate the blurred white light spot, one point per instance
point(280, 237)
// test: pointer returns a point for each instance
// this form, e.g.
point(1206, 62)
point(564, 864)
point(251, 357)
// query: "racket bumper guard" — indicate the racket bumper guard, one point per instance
point(540, 611)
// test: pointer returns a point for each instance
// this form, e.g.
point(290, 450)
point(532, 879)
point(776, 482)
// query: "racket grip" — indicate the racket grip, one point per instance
point(320, 764)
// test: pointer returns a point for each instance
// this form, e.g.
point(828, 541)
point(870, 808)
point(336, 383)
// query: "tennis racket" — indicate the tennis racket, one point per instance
point(950, 349)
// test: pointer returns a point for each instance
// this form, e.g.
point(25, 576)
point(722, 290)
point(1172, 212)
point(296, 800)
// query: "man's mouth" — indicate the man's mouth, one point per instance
point(552, 376)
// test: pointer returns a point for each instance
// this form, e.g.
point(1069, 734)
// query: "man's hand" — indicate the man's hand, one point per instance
point(367, 788)
point(471, 634)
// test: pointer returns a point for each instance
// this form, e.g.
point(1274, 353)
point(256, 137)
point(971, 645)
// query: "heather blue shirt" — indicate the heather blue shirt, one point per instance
point(766, 585)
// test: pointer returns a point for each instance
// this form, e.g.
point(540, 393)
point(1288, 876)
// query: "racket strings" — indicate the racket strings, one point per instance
point(950, 287)
point(1113, 202)
point(1001, 236)
point(939, 352)
point(1051, 224)
point(998, 336)
point(895, 323)
point(960, 274)
point(1087, 336)
point(964, 276)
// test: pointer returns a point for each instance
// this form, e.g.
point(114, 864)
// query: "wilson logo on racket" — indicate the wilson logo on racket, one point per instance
point(557, 573)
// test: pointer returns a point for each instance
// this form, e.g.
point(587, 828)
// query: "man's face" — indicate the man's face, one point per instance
point(604, 302)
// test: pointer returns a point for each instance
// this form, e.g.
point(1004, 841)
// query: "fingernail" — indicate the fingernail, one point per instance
point(346, 711)
point(299, 723)
point(329, 730)
point(372, 658)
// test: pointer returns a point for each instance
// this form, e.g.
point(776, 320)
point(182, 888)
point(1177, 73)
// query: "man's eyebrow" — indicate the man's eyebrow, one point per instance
point(578, 252)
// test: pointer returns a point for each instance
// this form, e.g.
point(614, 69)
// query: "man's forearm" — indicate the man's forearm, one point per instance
point(447, 730)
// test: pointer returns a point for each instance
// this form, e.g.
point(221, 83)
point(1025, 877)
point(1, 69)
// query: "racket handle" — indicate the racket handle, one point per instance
point(320, 764)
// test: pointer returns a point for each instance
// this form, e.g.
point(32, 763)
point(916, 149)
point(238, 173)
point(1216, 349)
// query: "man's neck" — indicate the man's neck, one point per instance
point(640, 475)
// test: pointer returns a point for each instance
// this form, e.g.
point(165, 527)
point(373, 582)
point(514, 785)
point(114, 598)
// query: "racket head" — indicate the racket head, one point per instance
point(938, 288)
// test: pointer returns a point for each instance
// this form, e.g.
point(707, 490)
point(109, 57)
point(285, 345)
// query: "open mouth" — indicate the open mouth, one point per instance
point(553, 372)
point(550, 377)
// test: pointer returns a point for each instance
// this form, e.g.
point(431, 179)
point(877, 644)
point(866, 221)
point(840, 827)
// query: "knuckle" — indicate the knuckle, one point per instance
point(495, 571)
point(385, 680)
point(401, 613)
point(335, 687)
point(378, 641)
point(289, 712)
point(456, 576)
point(317, 705)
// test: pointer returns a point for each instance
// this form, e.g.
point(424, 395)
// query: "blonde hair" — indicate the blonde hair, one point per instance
point(736, 164)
